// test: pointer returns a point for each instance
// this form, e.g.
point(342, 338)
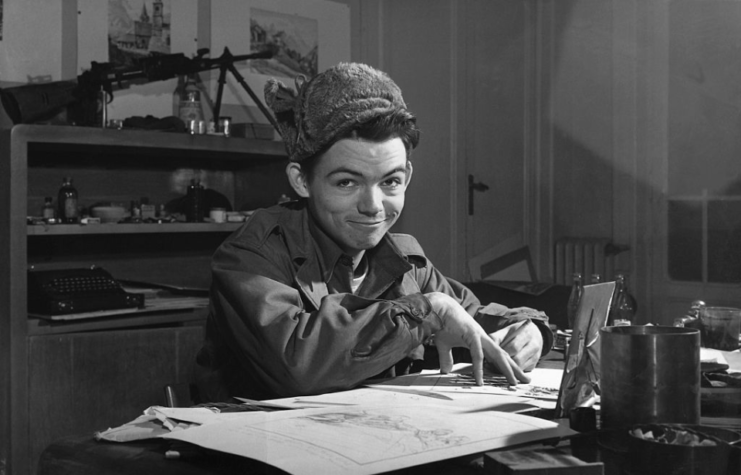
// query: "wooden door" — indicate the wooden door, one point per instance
point(492, 72)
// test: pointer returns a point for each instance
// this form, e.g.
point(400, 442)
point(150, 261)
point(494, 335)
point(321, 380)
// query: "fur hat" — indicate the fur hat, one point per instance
point(329, 105)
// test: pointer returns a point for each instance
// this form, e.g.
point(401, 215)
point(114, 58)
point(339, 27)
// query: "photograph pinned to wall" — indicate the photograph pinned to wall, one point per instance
point(136, 29)
point(305, 36)
point(293, 40)
point(102, 28)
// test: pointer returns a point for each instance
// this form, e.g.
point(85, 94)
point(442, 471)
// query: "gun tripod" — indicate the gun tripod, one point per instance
point(227, 64)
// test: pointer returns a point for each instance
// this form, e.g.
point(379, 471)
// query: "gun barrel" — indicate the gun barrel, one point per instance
point(29, 103)
point(227, 58)
point(259, 55)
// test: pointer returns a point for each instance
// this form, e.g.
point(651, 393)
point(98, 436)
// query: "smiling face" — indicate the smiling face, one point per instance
point(356, 191)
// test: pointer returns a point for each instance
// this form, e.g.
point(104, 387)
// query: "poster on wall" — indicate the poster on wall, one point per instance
point(305, 37)
point(117, 31)
point(293, 40)
point(137, 29)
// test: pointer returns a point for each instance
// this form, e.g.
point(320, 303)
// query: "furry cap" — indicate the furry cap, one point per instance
point(329, 105)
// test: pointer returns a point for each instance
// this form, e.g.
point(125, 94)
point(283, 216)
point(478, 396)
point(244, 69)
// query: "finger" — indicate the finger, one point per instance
point(445, 356)
point(477, 358)
point(518, 371)
point(518, 345)
point(503, 362)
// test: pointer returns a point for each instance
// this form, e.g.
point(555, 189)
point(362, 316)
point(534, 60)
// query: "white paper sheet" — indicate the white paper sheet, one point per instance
point(544, 384)
point(367, 439)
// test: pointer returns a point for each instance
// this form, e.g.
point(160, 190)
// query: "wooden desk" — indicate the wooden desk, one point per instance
point(83, 455)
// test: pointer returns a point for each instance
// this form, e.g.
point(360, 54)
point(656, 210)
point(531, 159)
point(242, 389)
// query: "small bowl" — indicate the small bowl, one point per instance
point(109, 214)
point(649, 456)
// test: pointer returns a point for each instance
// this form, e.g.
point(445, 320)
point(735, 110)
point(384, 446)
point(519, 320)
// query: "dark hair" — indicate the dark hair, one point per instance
point(399, 123)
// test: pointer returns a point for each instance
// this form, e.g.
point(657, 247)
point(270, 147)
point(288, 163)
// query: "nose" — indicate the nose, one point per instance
point(371, 201)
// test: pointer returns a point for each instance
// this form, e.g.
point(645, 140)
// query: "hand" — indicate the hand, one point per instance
point(522, 341)
point(458, 329)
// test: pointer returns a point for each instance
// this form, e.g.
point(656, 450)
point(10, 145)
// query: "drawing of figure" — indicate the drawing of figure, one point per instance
point(401, 436)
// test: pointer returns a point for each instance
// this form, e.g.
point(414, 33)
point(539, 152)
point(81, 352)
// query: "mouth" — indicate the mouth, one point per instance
point(368, 223)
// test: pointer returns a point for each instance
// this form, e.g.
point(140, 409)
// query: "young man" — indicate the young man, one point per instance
point(317, 295)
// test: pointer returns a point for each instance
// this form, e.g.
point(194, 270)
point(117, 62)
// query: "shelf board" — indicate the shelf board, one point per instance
point(129, 228)
point(96, 137)
point(196, 316)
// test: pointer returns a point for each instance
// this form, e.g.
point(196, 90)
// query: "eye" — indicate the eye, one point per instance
point(393, 182)
point(345, 183)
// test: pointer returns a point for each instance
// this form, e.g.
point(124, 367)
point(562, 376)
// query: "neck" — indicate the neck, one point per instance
point(357, 263)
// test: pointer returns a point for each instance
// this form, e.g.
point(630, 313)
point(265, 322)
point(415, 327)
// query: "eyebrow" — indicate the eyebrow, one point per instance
point(355, 173)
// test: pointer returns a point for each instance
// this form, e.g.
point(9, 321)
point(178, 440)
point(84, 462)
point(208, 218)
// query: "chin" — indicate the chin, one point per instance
point(366, 244)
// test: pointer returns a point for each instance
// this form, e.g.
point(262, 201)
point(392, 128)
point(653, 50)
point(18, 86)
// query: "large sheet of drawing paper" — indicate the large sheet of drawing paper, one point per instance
point(367, 439)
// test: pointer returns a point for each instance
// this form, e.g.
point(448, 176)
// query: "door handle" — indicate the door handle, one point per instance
point(474, 186)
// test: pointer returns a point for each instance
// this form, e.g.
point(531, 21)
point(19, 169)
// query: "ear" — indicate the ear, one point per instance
point(297, 179)
point(409, 172)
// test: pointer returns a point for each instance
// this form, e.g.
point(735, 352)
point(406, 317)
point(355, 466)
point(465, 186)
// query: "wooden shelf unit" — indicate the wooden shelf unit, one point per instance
point(63, 378)
point(126, 228)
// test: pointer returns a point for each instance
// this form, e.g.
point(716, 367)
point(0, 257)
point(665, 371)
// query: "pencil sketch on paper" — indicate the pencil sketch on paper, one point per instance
point(293, 40)
point(389, 435)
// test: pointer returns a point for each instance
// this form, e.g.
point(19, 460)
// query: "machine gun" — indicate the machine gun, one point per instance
point(87, 97)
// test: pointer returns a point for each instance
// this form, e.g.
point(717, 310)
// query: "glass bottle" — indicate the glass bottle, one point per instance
point(190, 103)
point(195, 200)
point(136, 212)
point(67, 202)
point(577, 287)
point(48, 211)
point(623, 306)
point(177, 95)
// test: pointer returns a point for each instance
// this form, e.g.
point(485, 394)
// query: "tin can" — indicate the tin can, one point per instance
point(192, 126)
point(225, 126)
point(649, 375)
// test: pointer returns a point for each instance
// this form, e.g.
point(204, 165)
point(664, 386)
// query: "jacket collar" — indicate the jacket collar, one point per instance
point(315, 254)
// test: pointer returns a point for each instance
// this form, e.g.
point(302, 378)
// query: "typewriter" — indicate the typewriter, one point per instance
point(71, 291)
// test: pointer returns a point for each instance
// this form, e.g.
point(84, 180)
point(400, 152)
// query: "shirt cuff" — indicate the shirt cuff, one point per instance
point(416, 306)
point(423, 321)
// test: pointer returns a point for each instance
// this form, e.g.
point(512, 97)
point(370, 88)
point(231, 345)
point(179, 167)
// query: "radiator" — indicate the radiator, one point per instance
point(586, 255)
